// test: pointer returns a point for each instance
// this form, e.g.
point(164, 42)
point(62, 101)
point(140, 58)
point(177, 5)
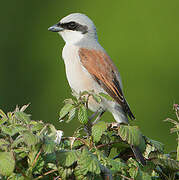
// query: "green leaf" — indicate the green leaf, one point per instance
point(7, 130)
point(65, 173)
point(29, 138)
point(164, 160)
point(68, 101)
point(48, 145)
point(3, 120)
point(7, 163)
point(21, 116)
point(71, 115)
point(15, 176)
point(66, 158)
point(133, 167)
point(2, 114)
point(89, 163)
point(13, 129)
point(97, 130)
point(4, 144)
point(132, 135)
point(106, 96)
point(65, 110)
point(17, 141)
point(85, 93)
point(117, 165)
point(143, 176)
point(36, 126)
point(82, 114)
point(158, 146)
point(96, 97)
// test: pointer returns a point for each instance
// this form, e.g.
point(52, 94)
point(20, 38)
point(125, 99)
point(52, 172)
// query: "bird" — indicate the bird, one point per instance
point(89, 67)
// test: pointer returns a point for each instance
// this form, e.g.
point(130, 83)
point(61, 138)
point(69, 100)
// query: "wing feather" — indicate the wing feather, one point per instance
point(102, 69)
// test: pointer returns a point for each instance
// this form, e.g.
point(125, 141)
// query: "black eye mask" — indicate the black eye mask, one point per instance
point(74, 27)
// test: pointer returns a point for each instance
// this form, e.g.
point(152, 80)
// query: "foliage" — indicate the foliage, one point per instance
point(34, 150)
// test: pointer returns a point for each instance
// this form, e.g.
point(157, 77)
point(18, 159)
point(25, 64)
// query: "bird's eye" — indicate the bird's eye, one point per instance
point(72, 25)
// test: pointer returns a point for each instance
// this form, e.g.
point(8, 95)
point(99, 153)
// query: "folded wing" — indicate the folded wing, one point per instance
point(102, 69)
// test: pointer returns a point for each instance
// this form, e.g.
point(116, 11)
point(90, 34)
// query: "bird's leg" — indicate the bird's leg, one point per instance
point(89, 124)
point(98, 117)
point(93, 115)
point(87, 127)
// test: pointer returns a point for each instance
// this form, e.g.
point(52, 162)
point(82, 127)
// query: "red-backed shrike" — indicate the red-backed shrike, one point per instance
point(88, 67)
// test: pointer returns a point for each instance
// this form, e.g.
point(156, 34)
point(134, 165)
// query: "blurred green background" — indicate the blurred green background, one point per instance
point(142, 38)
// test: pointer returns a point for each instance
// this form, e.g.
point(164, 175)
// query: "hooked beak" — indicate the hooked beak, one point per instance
point(55, 28)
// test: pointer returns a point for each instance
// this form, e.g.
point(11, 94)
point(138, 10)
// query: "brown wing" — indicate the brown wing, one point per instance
point(102, 69)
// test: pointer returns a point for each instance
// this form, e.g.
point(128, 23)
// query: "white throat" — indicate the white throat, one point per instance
point(71, 37)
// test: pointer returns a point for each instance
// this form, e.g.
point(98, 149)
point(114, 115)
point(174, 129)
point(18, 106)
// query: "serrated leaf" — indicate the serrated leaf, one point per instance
point(144, 176)
point(133, 172)
point(3, 120)
point(2, 114)
point(158, 146)
point(65, 173)
point(4, 144)
point(97, 130)
point(16, 176)
point(18, 128)
point(31, 157)
point(82, 114)
point(21, 116)
point(89, 163)
point(13, 129)
point(164, 160)
point(132, 135)
point(17, 141)
point(68, 101)
point(65, 110)
point(29, 138)
point(7, 163)
point(48, 145)
point(71, 115)
point(36, 126)
point(171, 120)
point(66, 158)
point(116, 165)
point(7, 130)
point(106, 96)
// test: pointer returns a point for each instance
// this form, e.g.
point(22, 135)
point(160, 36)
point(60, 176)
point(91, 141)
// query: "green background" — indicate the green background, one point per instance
point(140, 36)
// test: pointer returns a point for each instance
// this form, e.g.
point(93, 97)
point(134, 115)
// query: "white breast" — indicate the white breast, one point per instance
point(78, 77)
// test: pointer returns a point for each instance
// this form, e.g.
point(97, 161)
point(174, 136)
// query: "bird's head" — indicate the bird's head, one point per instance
point(75, 27)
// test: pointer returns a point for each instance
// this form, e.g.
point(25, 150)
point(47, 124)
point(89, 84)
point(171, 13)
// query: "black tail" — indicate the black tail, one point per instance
point(138, 155)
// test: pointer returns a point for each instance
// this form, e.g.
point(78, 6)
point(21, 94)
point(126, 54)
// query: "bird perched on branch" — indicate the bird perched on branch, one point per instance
point(88, 66)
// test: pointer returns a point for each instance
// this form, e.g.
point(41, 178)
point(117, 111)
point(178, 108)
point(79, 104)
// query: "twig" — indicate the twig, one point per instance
point(35, 160)
point(103, 145)
point(79, 139)
point(49, 172)
point(125, 177)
